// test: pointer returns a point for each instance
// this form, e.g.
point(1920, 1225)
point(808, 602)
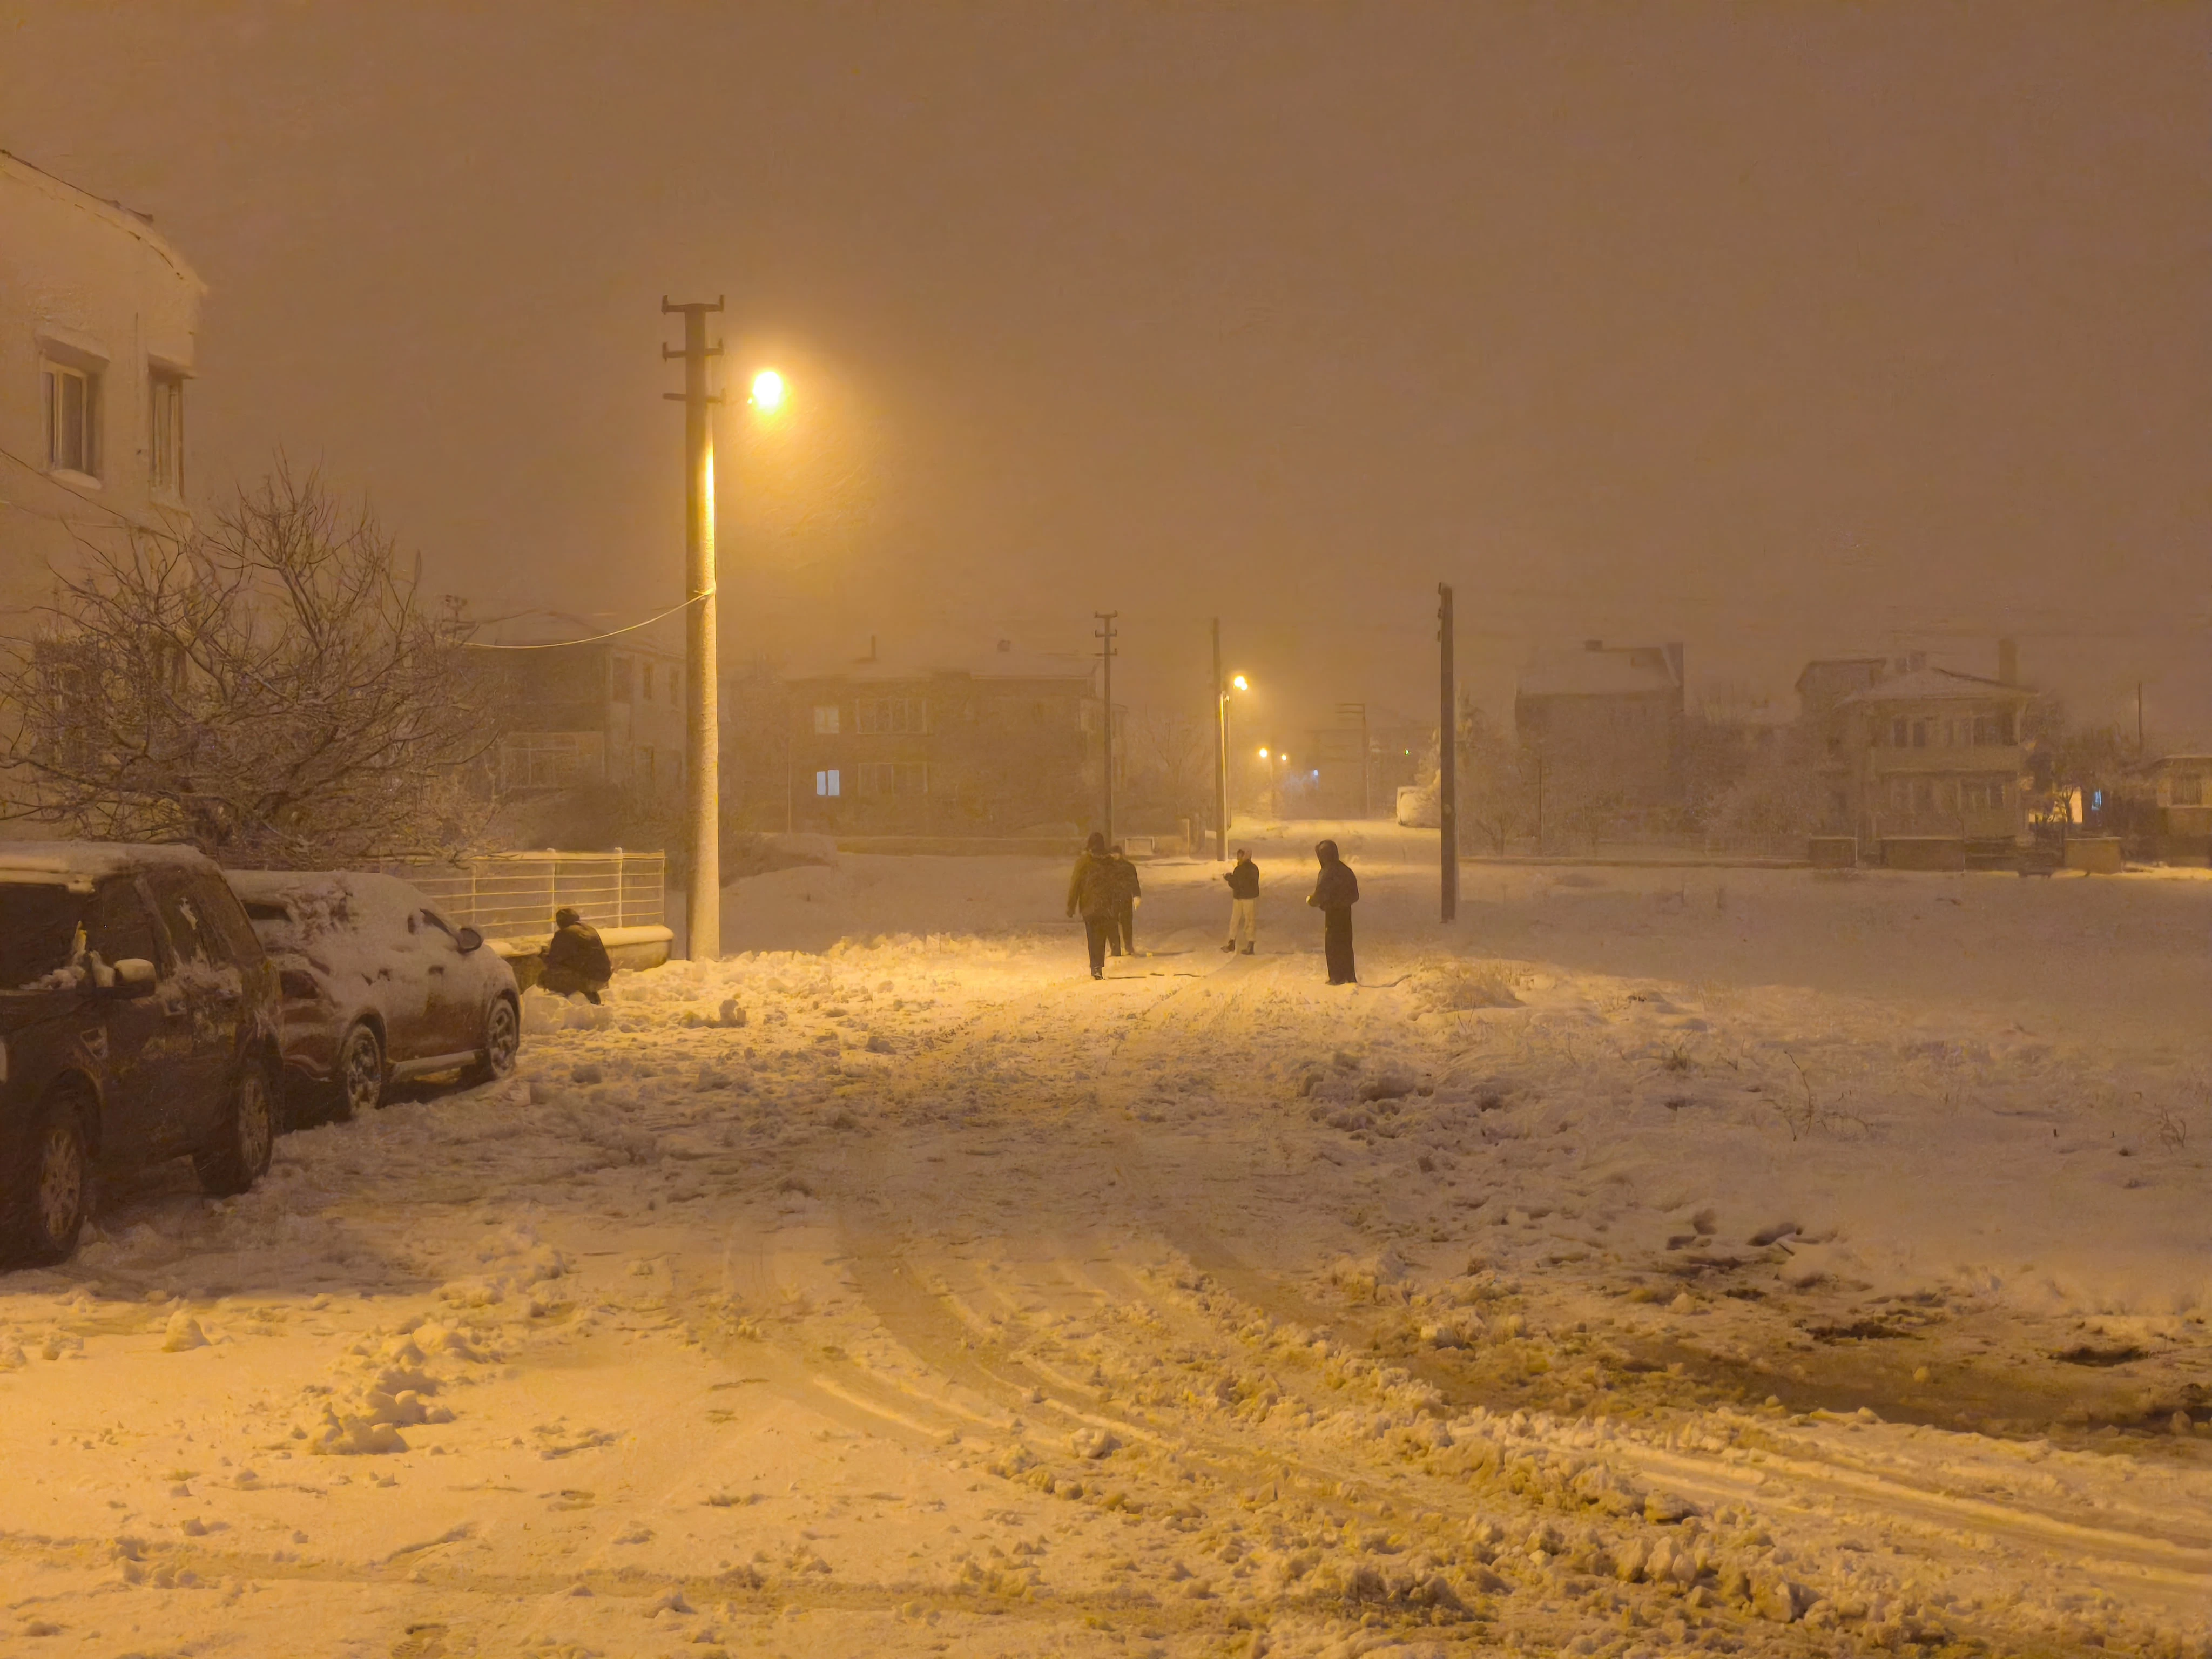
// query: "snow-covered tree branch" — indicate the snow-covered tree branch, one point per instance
point(273, 689)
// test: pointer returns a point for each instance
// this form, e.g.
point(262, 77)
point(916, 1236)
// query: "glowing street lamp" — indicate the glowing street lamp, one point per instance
point(767, 392)
point(1241, 683)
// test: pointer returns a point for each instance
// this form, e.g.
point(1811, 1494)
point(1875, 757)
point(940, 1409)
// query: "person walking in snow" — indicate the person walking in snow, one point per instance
point(1335, 891)
point(1094, 891)
point(1127, 891)
point(575, 959)
point(1243, 879)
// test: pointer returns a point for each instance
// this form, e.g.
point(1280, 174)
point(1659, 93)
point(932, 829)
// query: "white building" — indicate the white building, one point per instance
point(98, 320)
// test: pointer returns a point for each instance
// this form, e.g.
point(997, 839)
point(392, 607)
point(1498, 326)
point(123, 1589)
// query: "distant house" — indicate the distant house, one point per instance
point(605, 711)
point(1605, 722)
point(2178, 791)
point(1931, 757)
point(1008, 742)
point(99, 317)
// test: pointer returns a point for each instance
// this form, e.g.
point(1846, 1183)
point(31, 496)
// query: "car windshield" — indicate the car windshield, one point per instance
point(38, 923)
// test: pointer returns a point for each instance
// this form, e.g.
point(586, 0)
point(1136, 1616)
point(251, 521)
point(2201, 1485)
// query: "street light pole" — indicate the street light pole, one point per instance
point(1220, 752)
point(702, 723)
point(1105, 638)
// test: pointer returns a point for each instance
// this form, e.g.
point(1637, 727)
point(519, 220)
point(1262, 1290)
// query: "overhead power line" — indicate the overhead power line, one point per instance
point(594, 638)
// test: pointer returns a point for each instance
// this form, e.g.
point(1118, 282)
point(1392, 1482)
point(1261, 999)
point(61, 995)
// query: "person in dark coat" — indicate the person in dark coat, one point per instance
point(576, 959)
point(1243, 879)
point(1127, 891)
point(1335, 891)
point(1094, 891)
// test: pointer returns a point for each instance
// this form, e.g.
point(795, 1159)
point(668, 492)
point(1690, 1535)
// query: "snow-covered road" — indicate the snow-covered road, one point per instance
point(1752, 1260)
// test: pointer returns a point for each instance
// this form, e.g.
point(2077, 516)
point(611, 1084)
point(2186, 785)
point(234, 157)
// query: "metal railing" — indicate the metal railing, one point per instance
point(514, 895)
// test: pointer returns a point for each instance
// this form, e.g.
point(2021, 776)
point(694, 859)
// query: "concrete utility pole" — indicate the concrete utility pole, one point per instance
point(703, 727)
point(1104, 636)
point(1446, 755)
point(1220, 752)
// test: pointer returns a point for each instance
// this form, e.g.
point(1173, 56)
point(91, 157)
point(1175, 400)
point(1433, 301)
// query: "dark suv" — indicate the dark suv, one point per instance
point(138, 1022)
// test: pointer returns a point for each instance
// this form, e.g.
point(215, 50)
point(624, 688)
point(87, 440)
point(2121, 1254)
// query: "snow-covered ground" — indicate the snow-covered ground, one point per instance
point(1765, 1261)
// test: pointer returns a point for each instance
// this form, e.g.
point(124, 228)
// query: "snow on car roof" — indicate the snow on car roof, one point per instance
point(88, 861)
point(352, 924)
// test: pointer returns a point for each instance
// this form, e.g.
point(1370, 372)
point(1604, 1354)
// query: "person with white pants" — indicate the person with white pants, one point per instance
point(1243, 881)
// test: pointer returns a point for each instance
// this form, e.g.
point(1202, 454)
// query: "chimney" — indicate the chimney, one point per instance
point(2008, 662)
point(1005, 645)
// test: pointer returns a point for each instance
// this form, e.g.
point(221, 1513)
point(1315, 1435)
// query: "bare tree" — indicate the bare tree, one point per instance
point(1171, 766)
point(273, 690)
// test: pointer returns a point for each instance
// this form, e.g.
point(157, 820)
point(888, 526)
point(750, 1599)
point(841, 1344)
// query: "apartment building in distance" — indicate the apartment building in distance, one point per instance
point(575, 710)
point(1004, 742)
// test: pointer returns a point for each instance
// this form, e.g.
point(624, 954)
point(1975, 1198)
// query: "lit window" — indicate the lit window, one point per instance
point(166, 432)
point(72, 400)
point(826, 783)
point(825, 720)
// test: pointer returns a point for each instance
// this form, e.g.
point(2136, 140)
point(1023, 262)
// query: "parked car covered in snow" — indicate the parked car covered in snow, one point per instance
point(378, 986)
point(138, 1022)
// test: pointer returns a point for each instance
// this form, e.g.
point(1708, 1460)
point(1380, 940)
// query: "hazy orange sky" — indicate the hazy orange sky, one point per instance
point(1781, 331)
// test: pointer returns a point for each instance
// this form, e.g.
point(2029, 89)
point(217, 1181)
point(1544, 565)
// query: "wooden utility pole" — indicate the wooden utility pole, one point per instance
point(703, 727)
point(1220, 751)
point(1447, 755)
point(1105, 638)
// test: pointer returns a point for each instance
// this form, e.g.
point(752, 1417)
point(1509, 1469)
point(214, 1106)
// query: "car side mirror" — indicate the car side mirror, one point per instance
point(469, 940)
point(134, 977)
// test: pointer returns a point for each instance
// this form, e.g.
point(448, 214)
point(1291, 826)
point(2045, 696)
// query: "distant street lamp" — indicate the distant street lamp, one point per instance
point(1221, 746)
point(767, 392)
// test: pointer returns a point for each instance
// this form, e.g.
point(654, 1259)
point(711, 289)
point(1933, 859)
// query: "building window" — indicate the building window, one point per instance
point(645, 681)
point(1992, 730)
point(625, 675)
point(165, 429)
point(826, 784)
point(1897, 733)
point(825, 720)
point(645, 765)
point(894, 777)
point(1920, 734)
point(540, 760)
point(892, 714)
point(2188, 790)
point(72, 399)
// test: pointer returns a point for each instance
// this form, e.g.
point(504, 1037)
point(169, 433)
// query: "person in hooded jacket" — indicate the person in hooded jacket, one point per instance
point(1243, 879)
point(1127, 891)
point(1335, 891)
point(1095, 891)
point(576, 958)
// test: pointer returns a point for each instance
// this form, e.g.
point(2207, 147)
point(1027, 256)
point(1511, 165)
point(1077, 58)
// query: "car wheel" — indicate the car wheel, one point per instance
point(51, 1192)
point(238, 1155)
point(502, 1040)
point(359, 1074)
